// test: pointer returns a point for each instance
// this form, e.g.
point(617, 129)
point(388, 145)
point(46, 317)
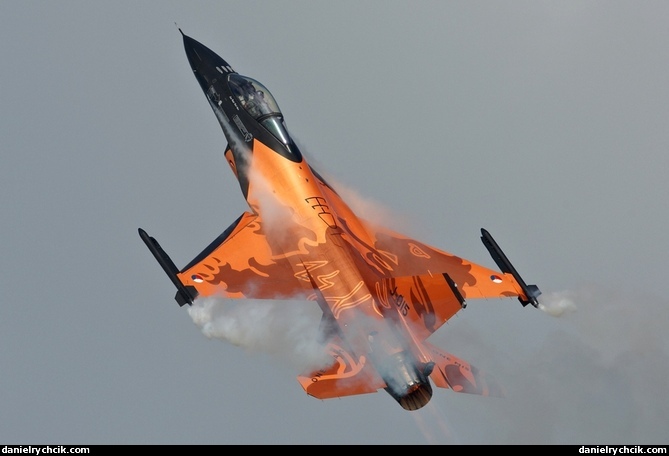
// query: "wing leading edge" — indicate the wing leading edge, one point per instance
point(241, 264)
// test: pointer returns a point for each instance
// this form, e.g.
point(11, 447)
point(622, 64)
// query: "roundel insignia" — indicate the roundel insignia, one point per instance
point(496, 278)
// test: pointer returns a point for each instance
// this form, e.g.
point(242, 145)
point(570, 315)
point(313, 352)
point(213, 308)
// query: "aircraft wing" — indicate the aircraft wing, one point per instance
point(240, 263)
point(401, 256)
point(410, 257)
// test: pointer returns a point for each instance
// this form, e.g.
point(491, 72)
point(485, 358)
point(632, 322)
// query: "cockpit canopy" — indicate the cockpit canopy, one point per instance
point(253, 96)
point(261, 105)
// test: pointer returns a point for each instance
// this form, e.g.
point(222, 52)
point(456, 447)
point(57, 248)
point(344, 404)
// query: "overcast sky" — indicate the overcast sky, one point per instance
point(546, 122)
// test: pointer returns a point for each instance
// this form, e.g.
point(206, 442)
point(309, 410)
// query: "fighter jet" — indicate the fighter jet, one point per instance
point(381, 293)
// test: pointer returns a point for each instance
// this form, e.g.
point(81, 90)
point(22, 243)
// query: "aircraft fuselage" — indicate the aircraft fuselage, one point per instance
point(382, 293)
point(278, 183)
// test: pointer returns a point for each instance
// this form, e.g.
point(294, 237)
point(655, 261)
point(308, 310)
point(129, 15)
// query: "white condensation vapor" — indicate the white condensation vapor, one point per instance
point(557, 303)
point(285, 329)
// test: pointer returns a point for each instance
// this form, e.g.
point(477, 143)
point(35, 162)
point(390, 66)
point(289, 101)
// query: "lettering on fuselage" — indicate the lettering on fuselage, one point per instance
point(400, 302)
point(234, 102)
point(215, 102)
point(242, 128)
point(320, 204)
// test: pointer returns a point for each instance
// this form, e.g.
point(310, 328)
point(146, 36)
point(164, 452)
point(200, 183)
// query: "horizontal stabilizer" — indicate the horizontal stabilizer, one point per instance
point(460, 376)
point(348, 375)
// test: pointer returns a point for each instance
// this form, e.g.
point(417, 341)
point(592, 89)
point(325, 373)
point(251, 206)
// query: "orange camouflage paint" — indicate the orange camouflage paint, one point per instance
point(382, 293)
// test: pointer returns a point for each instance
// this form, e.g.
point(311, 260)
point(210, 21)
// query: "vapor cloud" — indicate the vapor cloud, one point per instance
point(557, 303)
point(599, 375)
point(286, 329)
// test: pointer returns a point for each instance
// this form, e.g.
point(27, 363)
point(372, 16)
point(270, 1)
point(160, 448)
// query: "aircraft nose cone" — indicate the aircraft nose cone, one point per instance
point(200, 56)
point(192, 47)
point(206, 64)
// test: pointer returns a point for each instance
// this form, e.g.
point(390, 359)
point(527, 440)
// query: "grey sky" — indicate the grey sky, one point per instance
point(544, 122)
